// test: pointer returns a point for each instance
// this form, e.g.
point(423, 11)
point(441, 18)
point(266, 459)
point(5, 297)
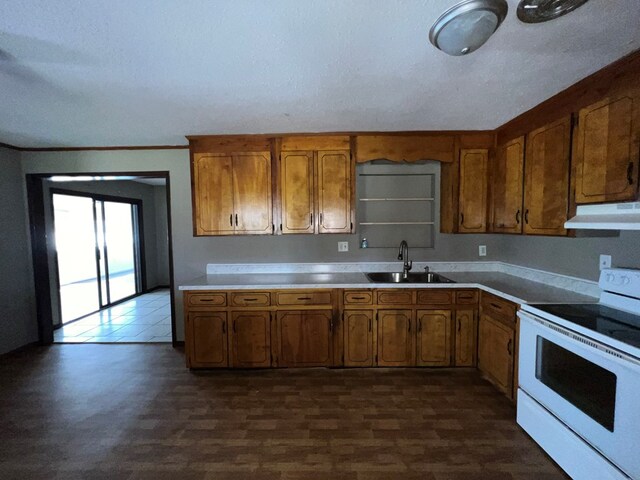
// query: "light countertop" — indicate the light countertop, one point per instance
point(510, 287)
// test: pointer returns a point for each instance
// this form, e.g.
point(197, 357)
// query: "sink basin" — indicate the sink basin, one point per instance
point(415, 277)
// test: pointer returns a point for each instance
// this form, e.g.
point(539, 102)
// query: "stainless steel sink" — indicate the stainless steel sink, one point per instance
point(415, 277)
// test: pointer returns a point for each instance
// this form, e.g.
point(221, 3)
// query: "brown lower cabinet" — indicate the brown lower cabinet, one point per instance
point(497, 342)
point(305, 338)
point(378, 327)
point(395, 339)
point(206, 339)
point(250, 339)
point(358, 338)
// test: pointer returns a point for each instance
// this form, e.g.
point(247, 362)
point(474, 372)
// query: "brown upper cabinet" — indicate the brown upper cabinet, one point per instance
point(316, 185)
point(546, 179)
point(232, 193)
point(474, 168)
point(605, 156)
point(507, 187)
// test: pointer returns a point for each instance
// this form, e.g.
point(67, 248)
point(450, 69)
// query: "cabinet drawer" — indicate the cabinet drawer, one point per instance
point(394, 297)
point(363, 297)
point(207, 299)
point(250, 299)
point(498, 308)
point(303, 298)
point(467, 297)
point(435, 297)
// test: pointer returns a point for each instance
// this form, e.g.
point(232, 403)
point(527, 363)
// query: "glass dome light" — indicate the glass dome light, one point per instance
point(465, 27)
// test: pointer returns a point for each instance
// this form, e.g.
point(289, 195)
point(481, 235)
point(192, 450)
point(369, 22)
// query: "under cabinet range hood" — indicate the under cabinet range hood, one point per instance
point(611, 216)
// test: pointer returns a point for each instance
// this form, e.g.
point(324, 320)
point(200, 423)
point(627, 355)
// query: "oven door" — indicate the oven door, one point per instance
point(591, 388)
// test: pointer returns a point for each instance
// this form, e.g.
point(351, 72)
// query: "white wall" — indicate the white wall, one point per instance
point(17, 294)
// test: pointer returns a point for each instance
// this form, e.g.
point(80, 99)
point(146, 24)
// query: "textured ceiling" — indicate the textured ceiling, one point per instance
point(148, 72)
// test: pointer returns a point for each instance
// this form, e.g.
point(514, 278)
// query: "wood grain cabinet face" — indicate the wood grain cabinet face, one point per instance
point(465, 338)
point(297, 192)
point(433, 338)
point(358, 338)
point(546, 197)
point(607, 149)
point(334, 191)
point(207, 338)
point(250, 339)
point(395, 338)
point(507, 187)
point(305, 338)
point(474, 168)
point(232, 193)
point(495, 353)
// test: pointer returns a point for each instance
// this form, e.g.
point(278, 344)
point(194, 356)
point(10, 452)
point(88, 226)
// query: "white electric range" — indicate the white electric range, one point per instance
point(579, 380)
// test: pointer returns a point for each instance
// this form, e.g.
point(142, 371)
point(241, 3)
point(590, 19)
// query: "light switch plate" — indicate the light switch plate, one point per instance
point(343, 246)
point(605, 261)
point(482, 250)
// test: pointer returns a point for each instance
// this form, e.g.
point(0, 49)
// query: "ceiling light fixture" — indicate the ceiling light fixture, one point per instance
point(537, 11)
point(465, 27)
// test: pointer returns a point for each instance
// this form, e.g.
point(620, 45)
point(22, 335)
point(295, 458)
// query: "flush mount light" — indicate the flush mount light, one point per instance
point(465, 27)
point(537, 11)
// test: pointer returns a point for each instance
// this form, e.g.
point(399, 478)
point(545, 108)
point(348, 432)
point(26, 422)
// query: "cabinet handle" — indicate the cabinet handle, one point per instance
point(419, 325)
point(236, 219)
point(409, 325)
point(304, 298)
point(234, 326)
point(518, 217)
point(526, 216)
point(630, 173)
point(496, 306)
point(273, 228)
point(359, 298)
point(461, 218)
point(320, 218)
point(459, 325)
point(231, 219)
point(509, 346)
point(311, 218)
point(224, 327)
point(250, 299)
point(206, 299)
point(369, 324)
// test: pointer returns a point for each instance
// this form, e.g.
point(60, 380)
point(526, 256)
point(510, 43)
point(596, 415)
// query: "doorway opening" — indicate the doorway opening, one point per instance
point(98, 250)
point(102, 257)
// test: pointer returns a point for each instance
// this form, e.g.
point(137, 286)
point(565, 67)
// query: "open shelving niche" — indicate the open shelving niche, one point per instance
point(397, 202)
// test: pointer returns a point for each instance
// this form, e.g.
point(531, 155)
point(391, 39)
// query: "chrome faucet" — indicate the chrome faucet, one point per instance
point(403, 254)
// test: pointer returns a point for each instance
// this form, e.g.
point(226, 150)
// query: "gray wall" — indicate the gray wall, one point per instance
point(17, 296)
point(162, 236)
point(191, 254)
point(154, 260)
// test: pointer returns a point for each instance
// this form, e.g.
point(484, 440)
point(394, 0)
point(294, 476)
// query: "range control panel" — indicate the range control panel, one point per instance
point(625, 281)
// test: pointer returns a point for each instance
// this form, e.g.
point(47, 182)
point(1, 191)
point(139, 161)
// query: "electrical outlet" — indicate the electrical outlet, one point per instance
point(343, 246)
point(605, 261)
point(482, 250)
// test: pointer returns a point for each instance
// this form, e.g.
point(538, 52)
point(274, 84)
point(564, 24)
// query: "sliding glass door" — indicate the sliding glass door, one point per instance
point(98, 251)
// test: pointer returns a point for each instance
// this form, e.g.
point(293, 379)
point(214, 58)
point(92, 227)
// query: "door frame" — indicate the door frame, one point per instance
point(139, 253)
point(40, 254)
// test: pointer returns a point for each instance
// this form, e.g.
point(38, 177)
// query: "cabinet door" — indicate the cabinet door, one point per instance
point(250, 339)
point(358, 338)
point(296, 192)
point(252, 192)
point(546, 191)
point(508, 184)
point(466, 343)
point(395, 339)
point(495, 353)
point(474, 168)
point(206, 340)
point(305, 338)
point(334, 192)
point(606, 154)
point(433, 338)
point(213, 194)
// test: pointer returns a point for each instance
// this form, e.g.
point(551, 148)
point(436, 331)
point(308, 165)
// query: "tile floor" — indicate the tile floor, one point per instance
point(143, 319)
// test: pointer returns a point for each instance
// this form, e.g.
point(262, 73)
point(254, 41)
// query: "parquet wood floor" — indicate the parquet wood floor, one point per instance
point(134, 412)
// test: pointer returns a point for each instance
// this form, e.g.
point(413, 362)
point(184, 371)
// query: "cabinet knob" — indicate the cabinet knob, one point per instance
point(630, 173)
